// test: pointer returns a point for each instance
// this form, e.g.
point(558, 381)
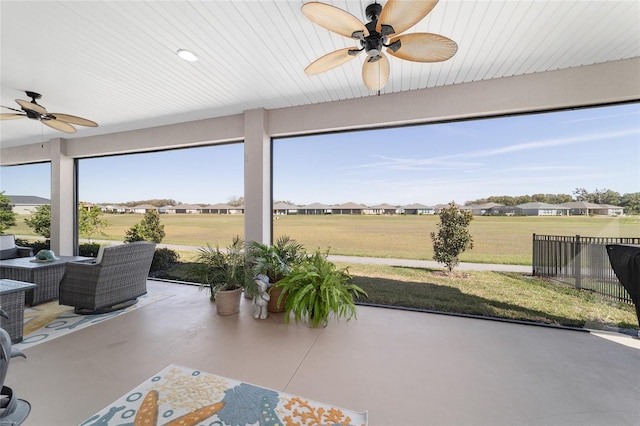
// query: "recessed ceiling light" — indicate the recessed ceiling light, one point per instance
point(187, 55)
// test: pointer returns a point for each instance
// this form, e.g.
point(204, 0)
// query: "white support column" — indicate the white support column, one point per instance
point(63, 234)
point(257, 177)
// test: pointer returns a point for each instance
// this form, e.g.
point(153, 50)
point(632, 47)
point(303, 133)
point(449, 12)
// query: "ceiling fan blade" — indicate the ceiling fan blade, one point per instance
point(402, 14)
point(376, 74)
point(12, 109)
point(59, 125)
point(334, 19)
point(31, 106)
point(424, 47)
point(11, 116)
point(72, 119)
point(330, 61)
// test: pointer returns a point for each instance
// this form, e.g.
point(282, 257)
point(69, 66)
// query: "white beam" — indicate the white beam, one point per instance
point(257, 177)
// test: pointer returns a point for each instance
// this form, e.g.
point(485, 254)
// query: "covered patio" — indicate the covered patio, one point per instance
point(404, 368)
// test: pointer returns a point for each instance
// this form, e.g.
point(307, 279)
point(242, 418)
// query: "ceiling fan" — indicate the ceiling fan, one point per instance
point(35, 111)
point(383, 30)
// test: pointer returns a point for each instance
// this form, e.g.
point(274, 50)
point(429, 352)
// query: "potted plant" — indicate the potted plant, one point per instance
point(274, 261)
point(316, 289)
point(223, 272)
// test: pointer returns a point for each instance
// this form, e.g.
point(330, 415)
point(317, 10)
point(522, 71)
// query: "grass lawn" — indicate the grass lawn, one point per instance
point(502, 240)
point(491, 294)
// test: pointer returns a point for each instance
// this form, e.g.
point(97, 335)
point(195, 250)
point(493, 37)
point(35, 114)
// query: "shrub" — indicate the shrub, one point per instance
point(148, 229)
point(163, 259)
point(40, 221)
point(453, 236)
point(7, 216)
point(36, 245)
point(89, 249)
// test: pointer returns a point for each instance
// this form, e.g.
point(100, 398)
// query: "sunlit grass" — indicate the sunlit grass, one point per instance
point(489, 294)
point(492, 294)
point(501, 240)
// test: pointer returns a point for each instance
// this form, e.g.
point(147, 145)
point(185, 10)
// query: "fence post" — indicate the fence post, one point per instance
point(535, 257)
point(577, 263)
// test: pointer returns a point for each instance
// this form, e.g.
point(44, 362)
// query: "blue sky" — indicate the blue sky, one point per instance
point(460, 161)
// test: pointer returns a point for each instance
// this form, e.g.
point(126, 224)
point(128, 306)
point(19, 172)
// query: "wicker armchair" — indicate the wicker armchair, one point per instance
point(114, 281)
point(9, 249)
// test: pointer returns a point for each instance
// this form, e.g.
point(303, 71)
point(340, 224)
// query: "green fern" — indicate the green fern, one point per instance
point(316, 288)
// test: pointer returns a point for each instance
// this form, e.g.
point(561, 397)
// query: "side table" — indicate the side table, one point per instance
point(12, 302)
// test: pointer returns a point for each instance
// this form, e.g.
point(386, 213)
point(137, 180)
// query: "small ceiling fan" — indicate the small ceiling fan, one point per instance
point(35, 111)
point(383, 30)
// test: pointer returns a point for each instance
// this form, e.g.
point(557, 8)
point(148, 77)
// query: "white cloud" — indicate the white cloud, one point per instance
point(545, 143)
point(418, 163)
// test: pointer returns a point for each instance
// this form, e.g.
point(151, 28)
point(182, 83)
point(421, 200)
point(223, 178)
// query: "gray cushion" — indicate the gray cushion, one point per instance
point(9, 253)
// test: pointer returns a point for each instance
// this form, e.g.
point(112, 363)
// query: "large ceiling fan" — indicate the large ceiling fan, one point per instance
point(35, 111)
point(383, 30)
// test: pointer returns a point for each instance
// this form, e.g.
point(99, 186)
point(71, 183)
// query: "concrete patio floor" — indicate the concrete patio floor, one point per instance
point(404, 368)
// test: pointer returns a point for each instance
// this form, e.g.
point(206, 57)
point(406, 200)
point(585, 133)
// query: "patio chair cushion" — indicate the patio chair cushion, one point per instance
point(100, 254)
point(9, 249)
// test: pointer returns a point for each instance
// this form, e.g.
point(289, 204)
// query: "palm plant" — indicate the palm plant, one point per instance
point(274, 261)
point(316, 288)
point(220, 270)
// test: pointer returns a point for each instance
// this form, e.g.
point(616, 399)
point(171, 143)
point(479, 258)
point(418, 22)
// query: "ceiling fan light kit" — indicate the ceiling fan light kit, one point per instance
point(391, 20)
point(33, 110)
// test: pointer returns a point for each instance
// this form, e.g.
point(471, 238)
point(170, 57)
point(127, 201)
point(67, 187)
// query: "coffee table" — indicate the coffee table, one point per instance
point(46, 274)
point(12, 302)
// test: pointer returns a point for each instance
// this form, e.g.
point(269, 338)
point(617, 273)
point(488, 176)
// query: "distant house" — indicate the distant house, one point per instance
point(417, 208)
point(187, 208)
point(115, 208)
point(609, 210)
point(349, 208)
point(219, 208)
point(315, 208)
point(26, 204)
point(581, 208)
point(507, 211)
point(285, 208)
point(166, 209)
point(483, 209)
point(382, 209)
point(143, 208)
point(585, 208)
point(543, 209)
point(438, 207)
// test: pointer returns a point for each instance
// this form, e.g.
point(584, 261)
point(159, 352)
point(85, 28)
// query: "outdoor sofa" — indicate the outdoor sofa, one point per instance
point(113, 281)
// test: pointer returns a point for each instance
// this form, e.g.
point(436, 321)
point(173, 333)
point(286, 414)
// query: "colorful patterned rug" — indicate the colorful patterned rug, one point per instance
point(183, 396)
point(51, 320)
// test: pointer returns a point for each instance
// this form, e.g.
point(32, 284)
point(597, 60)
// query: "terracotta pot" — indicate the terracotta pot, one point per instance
point(274, 293)
point(228, 301)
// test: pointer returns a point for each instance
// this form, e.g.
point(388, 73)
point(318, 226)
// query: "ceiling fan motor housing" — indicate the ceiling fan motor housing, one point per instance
point(373, 11)
point(32, 114)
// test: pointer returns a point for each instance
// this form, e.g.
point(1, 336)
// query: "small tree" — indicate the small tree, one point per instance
point(90, 222)
point(453, 236)
point(40, 221)
point(148, 229)
point(7, 216)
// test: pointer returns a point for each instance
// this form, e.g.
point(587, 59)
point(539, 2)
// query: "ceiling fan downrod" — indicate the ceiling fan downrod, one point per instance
point(373, 43)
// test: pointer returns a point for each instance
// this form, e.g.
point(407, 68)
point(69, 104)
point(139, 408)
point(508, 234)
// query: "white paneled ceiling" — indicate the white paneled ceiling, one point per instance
point(114, 61)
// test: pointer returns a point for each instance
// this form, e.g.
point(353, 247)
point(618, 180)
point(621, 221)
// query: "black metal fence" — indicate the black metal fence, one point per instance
point(581, 262)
